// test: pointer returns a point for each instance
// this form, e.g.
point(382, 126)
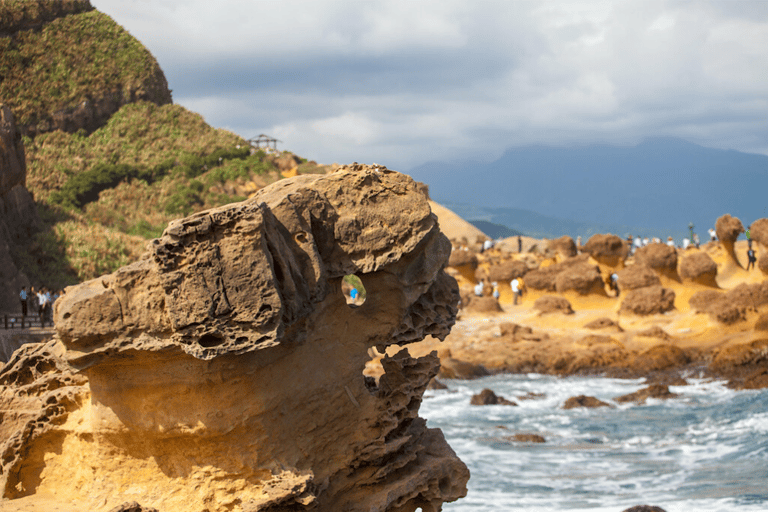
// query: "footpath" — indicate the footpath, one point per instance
point(16, 330)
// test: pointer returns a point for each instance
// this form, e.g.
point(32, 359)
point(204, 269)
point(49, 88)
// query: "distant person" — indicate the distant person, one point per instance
point(23, 299)
point(479, 289)
point(638, 243)
point(519, 244)
point(515, 285)
point(670, 241)
point(42, 305)
point(686, 243)
point(646, 241)
point(751, 259)
point(578, 243)
point(496, 294)
point(696, 240)
point(488, 244)
point(615, 283)
point(712, 235)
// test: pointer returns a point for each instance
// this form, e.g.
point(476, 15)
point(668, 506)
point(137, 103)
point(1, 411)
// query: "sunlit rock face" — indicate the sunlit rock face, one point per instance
point(223, 371)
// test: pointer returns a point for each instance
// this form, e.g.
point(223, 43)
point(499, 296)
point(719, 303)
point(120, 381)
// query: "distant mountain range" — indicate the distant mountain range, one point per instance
point(655, 188)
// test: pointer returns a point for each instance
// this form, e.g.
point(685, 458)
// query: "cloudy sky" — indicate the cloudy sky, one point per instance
point(403, 82)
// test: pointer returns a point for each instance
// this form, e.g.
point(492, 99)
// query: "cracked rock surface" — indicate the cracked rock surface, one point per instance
point(223, 371)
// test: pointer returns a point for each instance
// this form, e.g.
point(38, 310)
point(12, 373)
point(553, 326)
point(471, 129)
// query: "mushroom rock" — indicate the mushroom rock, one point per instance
point(648, 301)
point(224, 370)
point(637, 276)
point(564, 246)
point(660, 257)
point(609, 250)
point(728, 230)
point(699, 268)
point(507, 270)
point(544, 278)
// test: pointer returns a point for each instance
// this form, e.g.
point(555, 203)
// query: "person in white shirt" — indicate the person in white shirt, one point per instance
point(479, 289)
point(670, 241)
point(515, 284)
point(712, 234)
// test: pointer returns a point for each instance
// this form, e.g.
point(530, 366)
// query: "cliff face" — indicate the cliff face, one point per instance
point(224, 370)
point(18, 215)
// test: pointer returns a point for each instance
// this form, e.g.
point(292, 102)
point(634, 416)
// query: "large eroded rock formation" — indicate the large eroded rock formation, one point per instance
point(223, 372)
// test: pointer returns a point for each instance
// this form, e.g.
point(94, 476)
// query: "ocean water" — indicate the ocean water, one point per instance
point(704, 451)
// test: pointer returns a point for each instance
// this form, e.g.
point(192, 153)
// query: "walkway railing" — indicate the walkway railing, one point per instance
point(19, 321)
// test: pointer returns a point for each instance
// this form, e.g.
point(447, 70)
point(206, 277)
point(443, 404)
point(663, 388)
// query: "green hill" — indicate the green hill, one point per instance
point(110, 159)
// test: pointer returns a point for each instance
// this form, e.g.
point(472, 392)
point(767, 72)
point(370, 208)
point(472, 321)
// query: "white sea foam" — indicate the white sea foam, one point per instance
point(703, 451)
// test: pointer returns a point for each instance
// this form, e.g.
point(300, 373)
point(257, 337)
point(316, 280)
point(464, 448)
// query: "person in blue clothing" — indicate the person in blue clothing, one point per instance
point(23, 299)
point(353, 294)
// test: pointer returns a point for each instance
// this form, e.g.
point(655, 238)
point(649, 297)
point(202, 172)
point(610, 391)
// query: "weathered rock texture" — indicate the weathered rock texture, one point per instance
point(660, 257)
point(574, 274)
point(607, 249)
point(223, 371)
point(637, 276)
point(758, 231)
point(700, 268)
point(731, 306)
point(728, 230)
point(648, 301)
point(564, 246)
point(552, 304)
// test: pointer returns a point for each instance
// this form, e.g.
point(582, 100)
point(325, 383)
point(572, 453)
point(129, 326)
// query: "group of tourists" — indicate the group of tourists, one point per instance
point(517, 285)
point(38, 302)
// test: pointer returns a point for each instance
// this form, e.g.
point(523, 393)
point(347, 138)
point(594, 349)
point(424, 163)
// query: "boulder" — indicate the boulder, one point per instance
point(460, 257)
point(655, 332)
point(471, 303)
point(552, 304)
point(488, 397)
point(731, 306)
point(659, 391)
point(132, 506)
point(584, 401)
point(506, 271)
point(762, 323)
point(644, 508)
point(610, 250)
point(758, 231)
point(603, 323)
point(582, 278)
point(225, 366)
point(526, 438)
point(648, 301)
point(564, 246)
point(451, 368)
point(544, 278)
point(514, 330)
point(637, 276)
point(699, 268)
point(660, 257)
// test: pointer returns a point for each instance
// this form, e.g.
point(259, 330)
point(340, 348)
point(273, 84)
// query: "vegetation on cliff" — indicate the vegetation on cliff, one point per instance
point(110, 161)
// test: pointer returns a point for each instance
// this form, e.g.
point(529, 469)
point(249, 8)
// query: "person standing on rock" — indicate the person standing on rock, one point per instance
point(519, 244)
point(712, 235)
point(515, 284)
point(479, 289)
point(23, 299)
point(751, 258)
point(496, 294)
point(615, 283)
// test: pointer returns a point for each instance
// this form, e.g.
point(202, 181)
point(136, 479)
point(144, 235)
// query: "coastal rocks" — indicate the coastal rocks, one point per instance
point(728, 230)
point(658, 391)
point(648, 301)
point(552, 304)
point(461, 257)
point(660, 357)
point(488, 397)
point(451, 368)
point(471, 303)
point(175, 377)
point(644, 508)
point(526, 438)
point(731, 306)
point(637, 276)
point(584, 401)
point(506, 271)
point(583, 279)
point(603, 323)
point(660, 257)
point(759, 232)
point(564, 246)
point(745, 365)
point(699, 268)
point(609, 250)
point(544, 278)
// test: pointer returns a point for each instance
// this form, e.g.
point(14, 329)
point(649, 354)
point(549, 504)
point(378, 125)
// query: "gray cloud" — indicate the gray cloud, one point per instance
point(400, 83)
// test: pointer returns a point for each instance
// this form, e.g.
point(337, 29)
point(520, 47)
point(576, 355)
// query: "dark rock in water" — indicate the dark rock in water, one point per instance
point(488, 397)
point(584, 401)
point(455, 369)
point(644, 508)
point(531, 396)
point(653, 391)
point(526, 438)
point(436, 384)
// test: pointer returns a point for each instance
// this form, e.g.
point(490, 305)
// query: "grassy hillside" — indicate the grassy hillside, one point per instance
point(103, 192)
